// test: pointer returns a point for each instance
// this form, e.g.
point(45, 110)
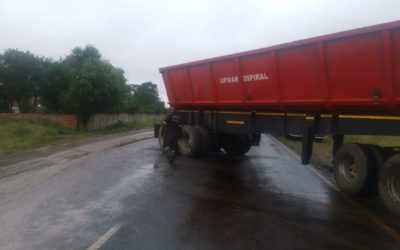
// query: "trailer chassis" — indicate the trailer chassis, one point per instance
point(358, 168)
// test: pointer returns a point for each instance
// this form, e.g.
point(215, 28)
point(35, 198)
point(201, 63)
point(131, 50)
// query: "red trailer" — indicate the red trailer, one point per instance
point(352, 71)
point(339, 84)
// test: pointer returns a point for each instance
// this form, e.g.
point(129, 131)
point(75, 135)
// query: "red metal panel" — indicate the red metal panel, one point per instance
point(275, 73)
point(355, 67)
point(202, 84)
point(169, 88)
point(226, 78)
point(259, 79)
point(300, 74)
point(396, 63)
point(351, 71)
point(180, 84)
point(356, 32)
point(189, 83)
point(324, 75)
point(213, 84)
point(239, 74)
point(389, 81)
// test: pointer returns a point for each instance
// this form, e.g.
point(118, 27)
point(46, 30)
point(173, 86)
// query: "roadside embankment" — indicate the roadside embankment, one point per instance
point(322, 151)
point(17, 134)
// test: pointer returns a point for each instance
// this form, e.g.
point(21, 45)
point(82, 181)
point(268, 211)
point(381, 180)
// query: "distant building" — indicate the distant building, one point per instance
point(14, 107)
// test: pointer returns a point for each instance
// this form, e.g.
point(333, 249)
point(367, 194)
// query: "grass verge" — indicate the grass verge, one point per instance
point(20, 134)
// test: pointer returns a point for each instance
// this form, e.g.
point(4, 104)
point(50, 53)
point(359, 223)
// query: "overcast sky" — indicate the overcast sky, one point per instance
point(141, 36)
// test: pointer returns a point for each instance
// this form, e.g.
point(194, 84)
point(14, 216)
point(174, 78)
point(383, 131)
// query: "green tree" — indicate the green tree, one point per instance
point(6, 100)
point(94, 85)
point(53, 86)
point(21, 74)
point(82, 83)
point(145, 99)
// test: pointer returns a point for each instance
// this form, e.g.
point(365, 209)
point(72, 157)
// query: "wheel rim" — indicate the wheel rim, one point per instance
point(185, 142)
point(348, 168)
point(393, 185)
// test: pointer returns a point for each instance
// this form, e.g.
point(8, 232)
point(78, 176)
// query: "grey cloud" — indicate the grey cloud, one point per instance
point(141, 36)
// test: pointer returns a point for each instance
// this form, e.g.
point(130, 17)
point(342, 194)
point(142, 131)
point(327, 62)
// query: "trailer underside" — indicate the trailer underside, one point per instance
point(358, 168)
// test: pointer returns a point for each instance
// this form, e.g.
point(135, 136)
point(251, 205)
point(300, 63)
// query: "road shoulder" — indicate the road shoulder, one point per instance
point(62, 146)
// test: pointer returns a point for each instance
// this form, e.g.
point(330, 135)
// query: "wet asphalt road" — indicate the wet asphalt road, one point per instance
point(265, 200)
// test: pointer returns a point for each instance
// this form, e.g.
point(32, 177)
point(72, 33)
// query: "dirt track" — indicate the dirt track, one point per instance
point(35, 166)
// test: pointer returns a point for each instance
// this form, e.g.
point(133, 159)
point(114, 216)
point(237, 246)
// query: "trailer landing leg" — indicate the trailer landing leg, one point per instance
point(337, 143)
point(306, 150)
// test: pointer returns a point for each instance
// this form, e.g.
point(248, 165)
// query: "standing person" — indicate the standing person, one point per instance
point(172, 125)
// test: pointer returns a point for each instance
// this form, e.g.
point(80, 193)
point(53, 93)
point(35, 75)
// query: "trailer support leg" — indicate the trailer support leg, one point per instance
point(337, 142)
point(306, 150)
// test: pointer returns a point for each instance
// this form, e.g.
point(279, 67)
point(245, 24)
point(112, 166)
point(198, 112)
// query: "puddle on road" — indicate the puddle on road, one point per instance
point(148, 166)
point(160, 162)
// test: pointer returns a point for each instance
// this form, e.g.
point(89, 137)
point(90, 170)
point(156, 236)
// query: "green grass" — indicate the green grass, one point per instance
point(121, 126)
point(21, 134)
point(322, 151)
point(384, 141)
point(18, 134)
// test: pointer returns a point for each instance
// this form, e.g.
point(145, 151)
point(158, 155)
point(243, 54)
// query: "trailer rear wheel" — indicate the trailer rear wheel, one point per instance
point(189, 141)
point(376, 162)
point(389, 184)
point(352, 168)
point(236, 144)
point(205, 140)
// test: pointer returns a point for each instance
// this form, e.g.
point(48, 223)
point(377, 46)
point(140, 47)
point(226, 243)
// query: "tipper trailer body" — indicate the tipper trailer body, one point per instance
point(355, 71)
point(346, 83)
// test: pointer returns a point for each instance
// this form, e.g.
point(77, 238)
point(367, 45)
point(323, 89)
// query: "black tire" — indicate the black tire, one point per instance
point(205, 140)
point(161, 136)
point(377, 154)
point(377, 160)
point(248, 142)
point(236, 144)
point(389, 184)
point(189, 141)
point(352, 168)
